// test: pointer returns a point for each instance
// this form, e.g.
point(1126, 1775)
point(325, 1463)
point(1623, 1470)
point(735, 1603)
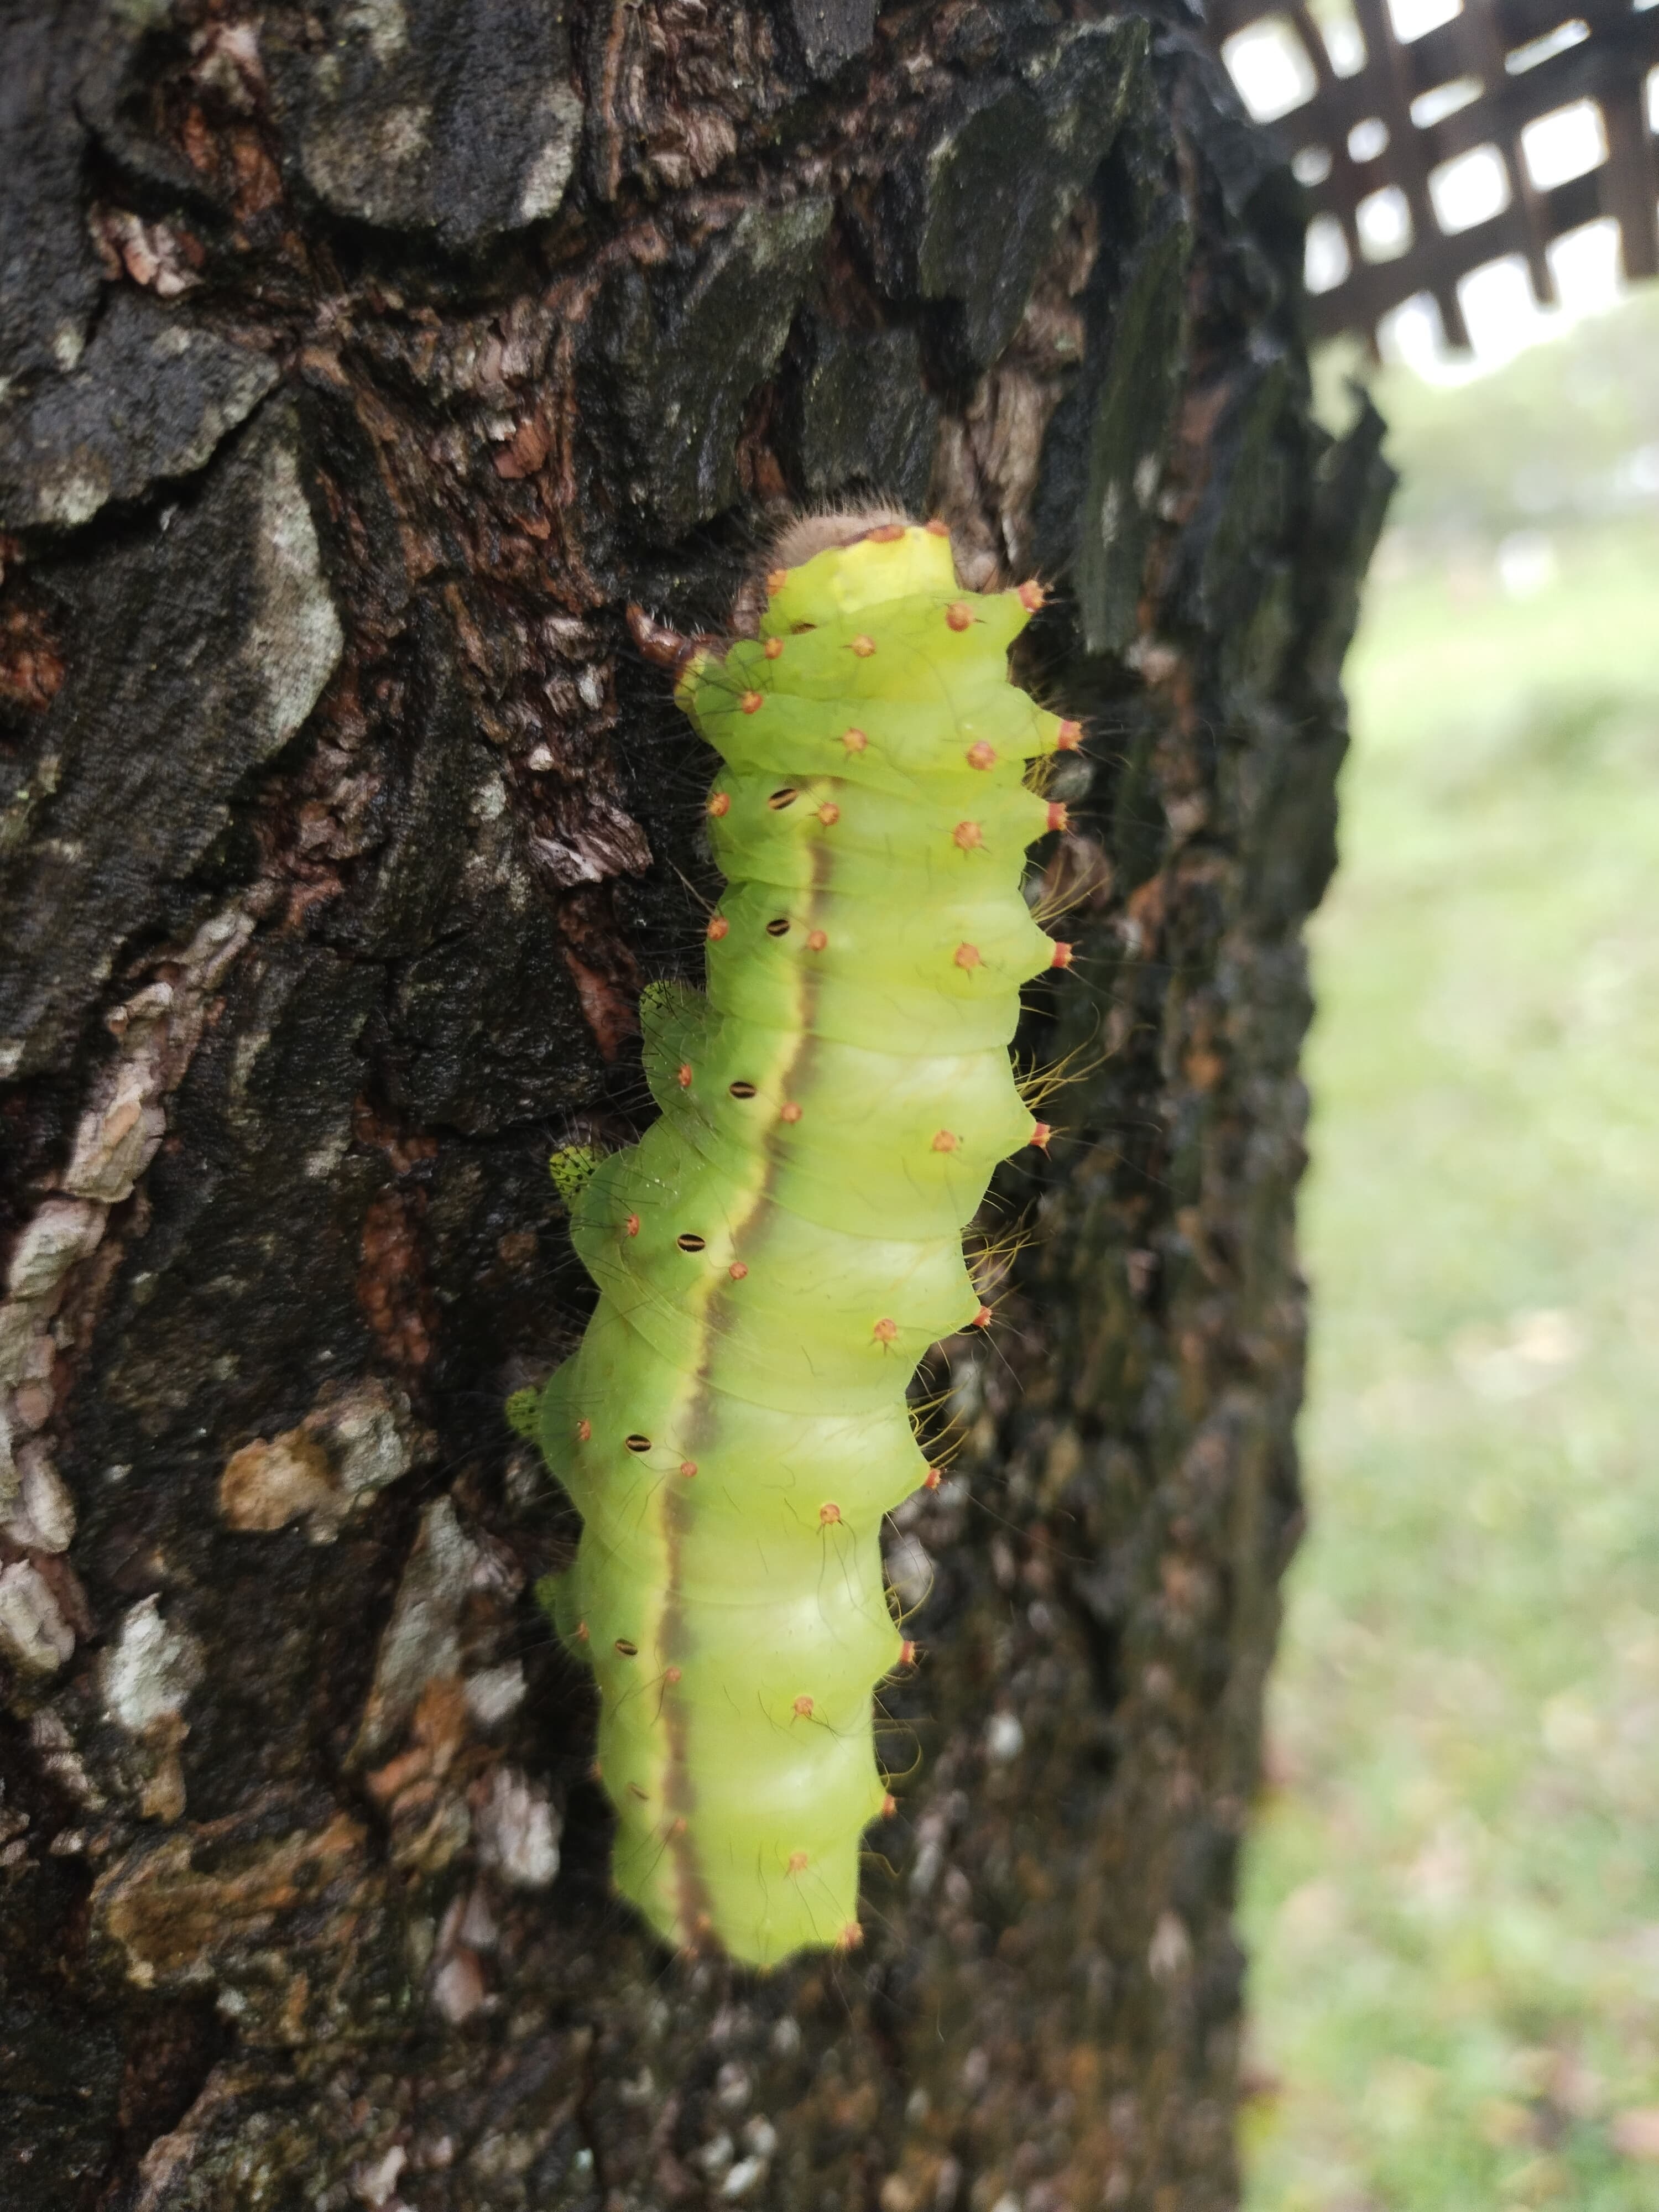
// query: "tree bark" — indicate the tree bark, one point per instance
point(363, 360)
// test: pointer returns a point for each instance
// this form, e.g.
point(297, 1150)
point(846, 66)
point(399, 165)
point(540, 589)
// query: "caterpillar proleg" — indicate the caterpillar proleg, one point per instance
point(786, 1241)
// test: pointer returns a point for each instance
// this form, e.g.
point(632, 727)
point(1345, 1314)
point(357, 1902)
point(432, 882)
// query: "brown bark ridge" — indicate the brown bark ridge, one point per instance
point(362, 360)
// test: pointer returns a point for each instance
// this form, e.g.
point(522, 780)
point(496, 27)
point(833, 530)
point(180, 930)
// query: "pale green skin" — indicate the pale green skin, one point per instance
point(756, 1580)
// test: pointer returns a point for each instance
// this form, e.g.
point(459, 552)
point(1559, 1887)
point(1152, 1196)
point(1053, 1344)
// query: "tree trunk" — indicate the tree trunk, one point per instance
point(362, 361)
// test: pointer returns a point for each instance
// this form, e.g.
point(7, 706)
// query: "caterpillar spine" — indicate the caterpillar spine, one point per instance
point(786, 1241)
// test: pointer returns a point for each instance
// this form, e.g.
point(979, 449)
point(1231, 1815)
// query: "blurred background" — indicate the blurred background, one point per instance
point(1452, 1897)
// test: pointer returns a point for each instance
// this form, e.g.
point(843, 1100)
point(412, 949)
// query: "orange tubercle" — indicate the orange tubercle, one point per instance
point(718, 928)
point(937, 528)
point(632, 1225)
point(790, 1112)
point(827, 1513)
point(888, 1806)
point(886, 1330)
point(863, 646)
point(981, 1319)
point(967, 956)
point(1040, 1134)
point(885, 533)
point(798, 1859)
point(671, 1674)
point(932, 1479)
point(1031, 596)
point(855, 741)
point(967, 835)
point(1059, 818)
point(581, 1631)
point(584, 1430)
point(776, 580)
point(944, 1141)
point(959, 615)
point(1062, 956)
point(737, 1271)
point(753, 701)
point(688, 1469)
point(1069, 737)
point(719, 802)
point(774, 648)
point(804, 1708)
point(907, 1653)
point(850, 1936)
point(981, 755)
point(683, 1075)
point(816, 940)
point(828, 813)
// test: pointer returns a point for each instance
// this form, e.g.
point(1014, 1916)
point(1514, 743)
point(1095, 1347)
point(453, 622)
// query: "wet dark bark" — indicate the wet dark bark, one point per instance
point(364, 360)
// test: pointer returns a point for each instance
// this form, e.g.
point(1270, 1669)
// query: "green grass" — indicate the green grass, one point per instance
point(1452, 1897)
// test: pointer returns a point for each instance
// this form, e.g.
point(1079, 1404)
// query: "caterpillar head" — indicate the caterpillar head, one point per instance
point(571, 1168)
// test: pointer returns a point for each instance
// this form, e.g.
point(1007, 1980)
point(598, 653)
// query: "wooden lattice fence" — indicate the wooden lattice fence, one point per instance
point(1476, 81)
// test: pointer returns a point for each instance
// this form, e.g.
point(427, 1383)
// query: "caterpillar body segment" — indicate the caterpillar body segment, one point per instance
point(785, 1243)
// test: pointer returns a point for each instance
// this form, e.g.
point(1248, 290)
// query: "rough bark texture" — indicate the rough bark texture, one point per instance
point(363, 359)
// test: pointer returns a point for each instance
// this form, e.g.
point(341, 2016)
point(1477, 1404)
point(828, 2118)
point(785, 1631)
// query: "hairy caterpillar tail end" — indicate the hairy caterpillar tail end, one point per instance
point(786, 1241)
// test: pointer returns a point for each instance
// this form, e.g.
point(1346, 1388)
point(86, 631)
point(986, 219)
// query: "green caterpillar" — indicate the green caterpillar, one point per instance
point(781, 1248)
